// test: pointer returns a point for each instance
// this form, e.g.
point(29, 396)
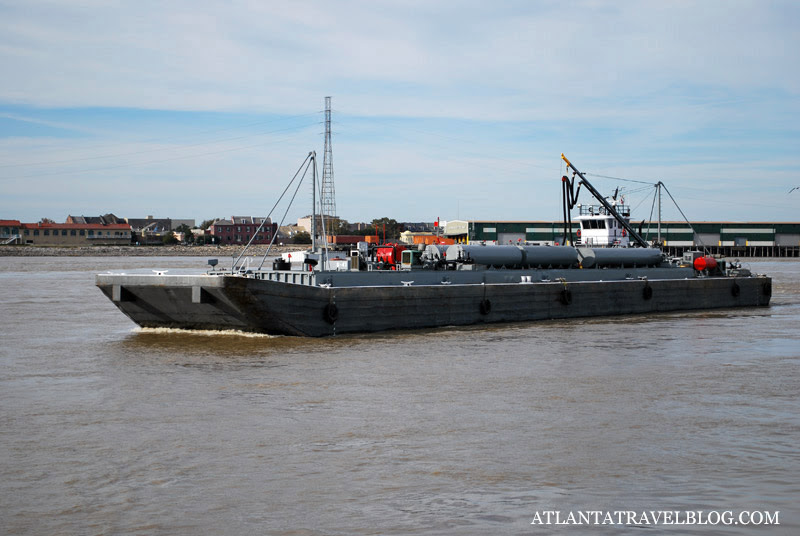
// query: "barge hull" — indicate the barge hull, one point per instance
point(258, 305)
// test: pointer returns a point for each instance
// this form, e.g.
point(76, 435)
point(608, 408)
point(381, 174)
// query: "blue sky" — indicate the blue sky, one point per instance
point(440, 109)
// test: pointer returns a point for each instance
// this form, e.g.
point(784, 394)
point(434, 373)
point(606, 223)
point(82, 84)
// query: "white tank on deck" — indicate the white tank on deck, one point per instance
point(434, 252)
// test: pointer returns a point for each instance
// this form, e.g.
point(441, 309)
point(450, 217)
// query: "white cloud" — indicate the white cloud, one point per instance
point(270, 56)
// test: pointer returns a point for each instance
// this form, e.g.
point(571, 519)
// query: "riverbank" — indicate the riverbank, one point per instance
point(144, 251)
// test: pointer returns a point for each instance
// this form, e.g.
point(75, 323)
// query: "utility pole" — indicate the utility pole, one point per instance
point(328, 200)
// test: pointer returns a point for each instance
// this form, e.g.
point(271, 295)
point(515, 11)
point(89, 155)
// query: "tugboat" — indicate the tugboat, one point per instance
point(318, 293)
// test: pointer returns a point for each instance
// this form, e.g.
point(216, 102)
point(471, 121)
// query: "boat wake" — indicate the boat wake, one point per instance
point(204, 332)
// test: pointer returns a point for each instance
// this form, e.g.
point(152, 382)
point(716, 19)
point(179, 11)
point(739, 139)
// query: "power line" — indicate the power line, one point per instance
point(619, 179)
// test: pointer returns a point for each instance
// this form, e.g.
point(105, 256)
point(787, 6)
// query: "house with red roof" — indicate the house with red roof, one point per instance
point(9, 231)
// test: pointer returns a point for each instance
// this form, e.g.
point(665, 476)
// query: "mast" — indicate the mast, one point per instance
point(658, 185)
point(314, 202)
point(611, 210)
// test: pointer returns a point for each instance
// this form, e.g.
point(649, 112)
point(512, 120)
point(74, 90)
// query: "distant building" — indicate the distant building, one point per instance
point(75, 234)
point(418, 227)
point(288, 232)
point(331, 222)
point(185, 221)
point(305, 223)
point(358, 226)
point(103, 220)
point(241, 229)
point(157, 225)
point(409, 237)
point(153, 230)
point(9, 231)
point(742, 239)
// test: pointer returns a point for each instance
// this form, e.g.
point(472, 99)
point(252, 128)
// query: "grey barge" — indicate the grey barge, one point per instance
point(325, 293)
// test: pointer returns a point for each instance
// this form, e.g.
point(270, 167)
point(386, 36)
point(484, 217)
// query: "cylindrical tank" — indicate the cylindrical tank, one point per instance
point(545, 256)
point(434, 252)
point(705, 263)
point(617, 257)
point(496, 256)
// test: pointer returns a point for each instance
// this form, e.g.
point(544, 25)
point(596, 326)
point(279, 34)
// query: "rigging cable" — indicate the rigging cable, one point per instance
point(272, 210)
point(618, 178)
point(699, 240)
point(283, 218)
point(312, 156)
point(652, 209)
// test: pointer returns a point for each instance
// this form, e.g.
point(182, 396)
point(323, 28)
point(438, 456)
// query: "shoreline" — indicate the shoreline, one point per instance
point(144, 251)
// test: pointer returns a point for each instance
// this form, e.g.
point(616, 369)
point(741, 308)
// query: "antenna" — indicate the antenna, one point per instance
point(328, 197)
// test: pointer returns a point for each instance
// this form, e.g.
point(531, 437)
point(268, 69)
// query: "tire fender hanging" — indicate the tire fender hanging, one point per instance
point(566, 296)
point(647, 292)
point(330, 313)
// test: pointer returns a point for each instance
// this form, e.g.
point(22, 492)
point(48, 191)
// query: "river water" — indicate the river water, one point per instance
point(108, 429)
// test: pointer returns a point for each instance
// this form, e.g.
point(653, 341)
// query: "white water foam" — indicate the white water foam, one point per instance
point(205, 332)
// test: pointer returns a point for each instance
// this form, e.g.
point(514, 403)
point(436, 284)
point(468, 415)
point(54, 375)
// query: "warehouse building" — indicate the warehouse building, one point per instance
point(740, 239)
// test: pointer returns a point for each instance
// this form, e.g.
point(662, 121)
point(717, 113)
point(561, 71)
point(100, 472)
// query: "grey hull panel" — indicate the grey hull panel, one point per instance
point(202, 302)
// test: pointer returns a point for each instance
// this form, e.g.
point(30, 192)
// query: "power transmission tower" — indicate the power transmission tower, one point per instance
point(328, 200)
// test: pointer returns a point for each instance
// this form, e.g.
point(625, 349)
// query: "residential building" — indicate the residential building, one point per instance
point(286, 233)
point(9, 231)
point(241, 229)
point(152, 230)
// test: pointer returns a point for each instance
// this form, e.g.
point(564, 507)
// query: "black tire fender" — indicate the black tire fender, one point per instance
point(566, 296)
point(330, 313)
point(647, 292)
